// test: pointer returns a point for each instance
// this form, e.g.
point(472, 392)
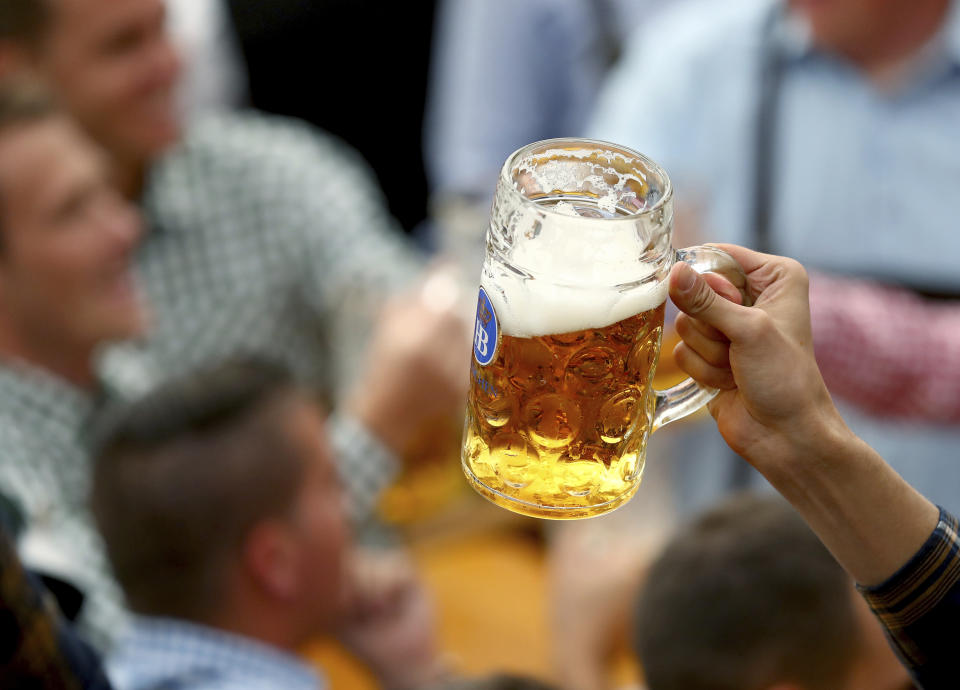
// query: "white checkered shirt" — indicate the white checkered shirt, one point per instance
point(265, 238)
point(269, 238)
point(44, 466)
point(167, 654)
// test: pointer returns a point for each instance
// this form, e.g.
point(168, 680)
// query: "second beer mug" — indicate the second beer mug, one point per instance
point(567, 336)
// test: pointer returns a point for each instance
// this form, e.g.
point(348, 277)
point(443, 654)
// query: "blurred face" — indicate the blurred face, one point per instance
point(876, 666)
point(838, 23)
point(858, 28)
point(67, 241)
point(114, 66)
point(319, 526)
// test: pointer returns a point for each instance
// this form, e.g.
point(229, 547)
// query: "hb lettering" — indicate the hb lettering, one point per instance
point(483, 339)
point(485, 335)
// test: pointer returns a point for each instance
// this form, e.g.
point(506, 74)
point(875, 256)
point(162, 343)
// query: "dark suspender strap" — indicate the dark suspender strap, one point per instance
point(764, 144)
point(764, 165)
point(608, 39)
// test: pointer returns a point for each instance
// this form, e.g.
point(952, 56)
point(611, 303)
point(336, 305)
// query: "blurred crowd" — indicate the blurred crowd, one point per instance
point(239, 244)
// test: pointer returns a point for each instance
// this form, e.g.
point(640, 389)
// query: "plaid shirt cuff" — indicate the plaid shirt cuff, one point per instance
point(366, 466)
point(914, 602)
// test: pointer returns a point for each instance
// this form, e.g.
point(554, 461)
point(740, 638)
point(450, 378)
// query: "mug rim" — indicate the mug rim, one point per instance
point(561, 142)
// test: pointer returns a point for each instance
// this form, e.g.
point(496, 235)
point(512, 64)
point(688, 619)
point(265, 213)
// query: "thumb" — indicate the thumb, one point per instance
point(694, 296)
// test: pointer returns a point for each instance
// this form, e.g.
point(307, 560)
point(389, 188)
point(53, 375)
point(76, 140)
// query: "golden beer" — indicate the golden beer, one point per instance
point(557, 424)
point(567, 336)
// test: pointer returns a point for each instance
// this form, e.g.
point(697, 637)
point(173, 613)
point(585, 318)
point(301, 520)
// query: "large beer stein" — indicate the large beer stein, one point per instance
point(568, 327)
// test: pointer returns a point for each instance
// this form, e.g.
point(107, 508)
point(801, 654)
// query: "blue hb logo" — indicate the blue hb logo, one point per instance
point(485, 332)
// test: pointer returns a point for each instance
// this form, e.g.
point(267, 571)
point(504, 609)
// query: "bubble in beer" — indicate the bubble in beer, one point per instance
point(533, 365)
point(593, 365)
point(580, 476)
point(496, 412)
point(617, 415)
point(568, 339)
point(477, 455)
point(630, 467)
point(517, 456)
point(592, 452)
point(474, 449)
point(552, 420)
point(622, 335)
point(642, 358)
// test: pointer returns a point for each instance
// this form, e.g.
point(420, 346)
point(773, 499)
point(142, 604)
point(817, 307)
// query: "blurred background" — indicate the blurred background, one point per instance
point(825, 130)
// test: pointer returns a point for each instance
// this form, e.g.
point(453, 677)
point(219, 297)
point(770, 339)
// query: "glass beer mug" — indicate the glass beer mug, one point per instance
point(567, 336)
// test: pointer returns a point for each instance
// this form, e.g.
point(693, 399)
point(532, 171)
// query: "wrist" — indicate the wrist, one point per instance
point(809, 449)
point(863, 511)
point(386, 424)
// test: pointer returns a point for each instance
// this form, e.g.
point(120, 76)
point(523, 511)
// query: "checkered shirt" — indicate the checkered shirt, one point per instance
point(886, 350)
point(44, 466)
point(266, 237)
point(167, 654)
point(920, 607)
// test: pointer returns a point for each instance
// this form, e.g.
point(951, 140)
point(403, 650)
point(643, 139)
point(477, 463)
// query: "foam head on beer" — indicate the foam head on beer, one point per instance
point(566, 274)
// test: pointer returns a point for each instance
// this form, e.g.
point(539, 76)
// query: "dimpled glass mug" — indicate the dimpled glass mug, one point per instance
point(567, 335)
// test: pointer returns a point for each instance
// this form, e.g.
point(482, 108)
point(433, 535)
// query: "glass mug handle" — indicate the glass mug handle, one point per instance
point(688, 396)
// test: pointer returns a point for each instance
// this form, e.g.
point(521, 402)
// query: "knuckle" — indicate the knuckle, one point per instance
point(725, 381)
point(718, 356)
point(796, 271)
point(756, 324)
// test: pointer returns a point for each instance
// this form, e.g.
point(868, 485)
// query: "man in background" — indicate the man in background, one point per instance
point(66, 289)
point(222, 513)
point(747, 598)
point(263, 237)
point(824, 131)
point(505, 74)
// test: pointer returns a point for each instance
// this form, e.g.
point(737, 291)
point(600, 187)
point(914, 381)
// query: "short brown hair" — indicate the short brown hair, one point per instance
point(22, 102)
point(23, 20)
point(181, 476)
point(743, 598)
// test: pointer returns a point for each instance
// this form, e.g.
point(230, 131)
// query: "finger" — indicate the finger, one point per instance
point(702, 371)
point(692, 295)
point(764, 270)
point(714, 352)
point(748, 259)
point(707, 331)
point(723, 287)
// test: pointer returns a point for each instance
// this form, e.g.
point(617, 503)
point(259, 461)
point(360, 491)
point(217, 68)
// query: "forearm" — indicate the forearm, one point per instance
point(864, 512)
point(779, 417)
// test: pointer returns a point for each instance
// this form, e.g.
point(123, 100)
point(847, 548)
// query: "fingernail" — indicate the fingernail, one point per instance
point(687, 278)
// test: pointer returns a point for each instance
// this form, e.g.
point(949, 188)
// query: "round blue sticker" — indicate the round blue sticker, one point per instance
point(485, 332)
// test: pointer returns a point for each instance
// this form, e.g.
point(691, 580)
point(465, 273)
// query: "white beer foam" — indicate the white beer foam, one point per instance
point(558, 174)
point(530, 308)
point(579, 267)
point(579, 279)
